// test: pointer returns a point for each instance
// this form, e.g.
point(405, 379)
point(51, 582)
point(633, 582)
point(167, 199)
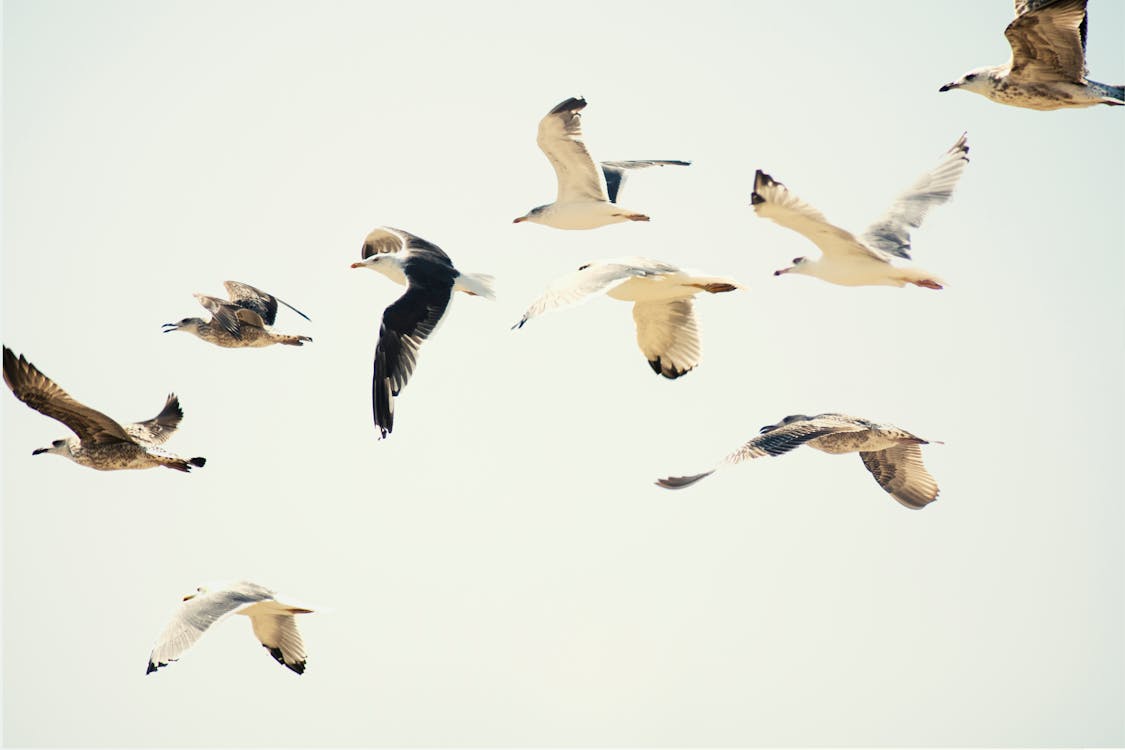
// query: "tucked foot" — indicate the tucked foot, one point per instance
point(928, 283)
point(637, 217)
point(716, 287)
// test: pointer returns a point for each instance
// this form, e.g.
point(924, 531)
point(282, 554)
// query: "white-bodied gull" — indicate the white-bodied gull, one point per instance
point(662, 295)
point(102, 443)
point(242, 321)
point(1047, 69)
point(272, 621)
point(890, 453)
point(866, 260)
point(587, 196)
point(430, 280)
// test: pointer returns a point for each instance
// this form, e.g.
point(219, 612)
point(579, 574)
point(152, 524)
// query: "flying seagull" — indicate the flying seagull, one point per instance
point(890, 453)
point(1047, 69)
point(430, 280)
point(587, 196)
point(662, 295)
point(272, 621)
point(102, 443)
point(241, 321)
point(865, 260)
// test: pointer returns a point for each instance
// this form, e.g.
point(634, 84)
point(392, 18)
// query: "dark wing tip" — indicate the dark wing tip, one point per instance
point(299, 667)
point(678, 483)
point(198, 461)
point(756, 199)
point(668, 371)
point(573, 104)
point(153, 666)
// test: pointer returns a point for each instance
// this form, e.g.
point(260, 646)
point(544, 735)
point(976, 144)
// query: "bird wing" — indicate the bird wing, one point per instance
point(157, 430)
point(278, 633)
point(775, 441)
point(891, 233)
point(615, 172)
point(196, 616)
point(1048, 39)
point(560, 138)
point(668, 335)
point(773, 201)
point(406, 324)
point(223, 314)
point(45, 396)
point(899, 471)
point(251, 298)
point(586, 281)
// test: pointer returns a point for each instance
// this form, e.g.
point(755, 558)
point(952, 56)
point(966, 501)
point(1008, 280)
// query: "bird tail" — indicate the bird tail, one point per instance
point(479, 284)
point(184, 465)
point(677, 483)
point(1114, 95)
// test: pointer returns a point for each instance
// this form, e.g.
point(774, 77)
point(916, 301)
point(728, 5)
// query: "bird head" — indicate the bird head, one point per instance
point(976, 80)
point(57, 446)
point(534, 215)
point(799, 266)
point(191, 325)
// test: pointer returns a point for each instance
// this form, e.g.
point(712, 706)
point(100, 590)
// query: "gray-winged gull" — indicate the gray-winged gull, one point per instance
point(430, 280)
point(242, 321)
point(587, 195)
point(102, 443)
point(271, 620)
point(890, 453)
point(866, 260)
point(662, 295)
point(1047, 69)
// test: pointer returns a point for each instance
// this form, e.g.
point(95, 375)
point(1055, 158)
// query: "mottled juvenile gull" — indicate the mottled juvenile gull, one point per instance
point(242, 321)
point(430, 280)
point(1047, 69)
point(865, 260)
point(890, 453)
point(102, 443)
point(587, 196)
point(271, 620)
point(662, 295)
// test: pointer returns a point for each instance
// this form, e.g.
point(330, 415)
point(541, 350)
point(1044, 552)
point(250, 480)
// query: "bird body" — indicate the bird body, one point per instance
point(271, 620)
point(430, 279)
point(1047, 69)
point(587, 193)
point(667, 333)
point(873, 258)
point(101, 442)
point(241, 322)
point(890, 453)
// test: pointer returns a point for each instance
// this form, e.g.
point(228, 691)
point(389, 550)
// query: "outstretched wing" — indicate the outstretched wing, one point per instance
point(773, 201)
point(668, 335)
point(1048, 39)
point(615, 172)
point(158, 429)
point(900, 471)
point(223, 314)
point(45, 396)
point(891, 234)
point(195, 617)
point(587, 281)
point(560, 138)
point(406, 324)
point(279, 634)
point(251, 298)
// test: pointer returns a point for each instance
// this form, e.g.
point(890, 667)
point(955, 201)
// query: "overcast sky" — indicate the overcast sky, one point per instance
point(501, 570)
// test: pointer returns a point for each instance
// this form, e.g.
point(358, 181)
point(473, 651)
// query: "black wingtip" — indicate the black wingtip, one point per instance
point(573, 104)
point(756, 199)
point(678, 483)
point(198, 461)
point(152, 667)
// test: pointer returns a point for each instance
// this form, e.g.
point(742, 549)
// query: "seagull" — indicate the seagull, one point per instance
point(430, 280)
point(662, 295)
point(587, 196)
point(890, 453)
point(241, 322)
point(272, 621)
point(1047, 69)
point(865, 260)
point(102, 443)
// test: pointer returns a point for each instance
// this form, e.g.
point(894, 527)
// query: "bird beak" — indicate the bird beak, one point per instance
point(37, 451)
point(169, 327)
point(357, 265)
point(948, 87)
point(517, 221)
point(189, 597)
point(782, 270)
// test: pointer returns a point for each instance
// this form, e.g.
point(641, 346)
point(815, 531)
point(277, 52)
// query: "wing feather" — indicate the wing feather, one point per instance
point(668, 335)
point(197, 615)
point(900, 471)
point(1048, 41)
point(560, 138)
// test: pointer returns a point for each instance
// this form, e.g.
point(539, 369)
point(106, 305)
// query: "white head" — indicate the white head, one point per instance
point(978, 80)
point(61, 447)
point(535, 215)
point(800, 265)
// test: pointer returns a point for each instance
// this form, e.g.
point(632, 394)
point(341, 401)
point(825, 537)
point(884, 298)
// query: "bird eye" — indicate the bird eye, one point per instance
point(583, 268)
point(970, 77)
point(797, 261)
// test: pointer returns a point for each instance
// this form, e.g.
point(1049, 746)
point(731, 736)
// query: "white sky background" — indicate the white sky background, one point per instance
point(502, 570)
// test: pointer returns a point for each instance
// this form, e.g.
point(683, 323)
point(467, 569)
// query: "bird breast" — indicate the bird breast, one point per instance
point(652, 289)
point(851, 442)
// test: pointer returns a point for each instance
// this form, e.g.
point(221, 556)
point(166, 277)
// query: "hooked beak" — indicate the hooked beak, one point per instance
point(37, 451)
point(948, 87)
point(517, 221)
point(782, 270)
point(356, 265)
point(189, 597)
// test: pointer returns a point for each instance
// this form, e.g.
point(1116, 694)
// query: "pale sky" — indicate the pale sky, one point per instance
point(501, 570)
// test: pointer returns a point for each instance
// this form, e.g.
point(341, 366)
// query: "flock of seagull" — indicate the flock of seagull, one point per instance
point(1046, 71)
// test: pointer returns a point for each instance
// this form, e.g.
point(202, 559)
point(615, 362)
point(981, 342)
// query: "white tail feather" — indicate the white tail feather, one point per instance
point(479, 284)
